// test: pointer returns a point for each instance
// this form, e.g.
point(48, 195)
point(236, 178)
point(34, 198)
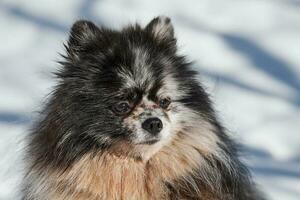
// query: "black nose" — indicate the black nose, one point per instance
point(152, 125)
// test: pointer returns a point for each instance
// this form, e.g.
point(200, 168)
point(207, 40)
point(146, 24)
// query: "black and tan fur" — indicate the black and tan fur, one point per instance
point(80, 149)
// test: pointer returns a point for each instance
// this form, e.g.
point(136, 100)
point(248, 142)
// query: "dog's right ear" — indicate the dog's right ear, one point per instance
point(82, 33)
point(161, 27)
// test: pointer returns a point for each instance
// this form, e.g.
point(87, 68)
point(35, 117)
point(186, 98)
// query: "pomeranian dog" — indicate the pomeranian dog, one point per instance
point(128, 120)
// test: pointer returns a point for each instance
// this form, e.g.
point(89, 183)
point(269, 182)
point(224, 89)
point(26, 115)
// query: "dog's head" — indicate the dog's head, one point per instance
point(129, 91)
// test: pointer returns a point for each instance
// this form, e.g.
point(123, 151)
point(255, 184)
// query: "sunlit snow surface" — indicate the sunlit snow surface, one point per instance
point(247, 53)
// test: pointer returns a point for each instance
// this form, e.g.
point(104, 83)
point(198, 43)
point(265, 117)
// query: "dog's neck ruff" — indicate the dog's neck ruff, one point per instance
point(106, 176)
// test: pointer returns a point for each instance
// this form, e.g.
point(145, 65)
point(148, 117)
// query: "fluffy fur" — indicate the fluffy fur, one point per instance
point(81, 149)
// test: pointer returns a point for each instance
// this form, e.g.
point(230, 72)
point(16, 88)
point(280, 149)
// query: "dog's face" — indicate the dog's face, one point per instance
point(129, 91)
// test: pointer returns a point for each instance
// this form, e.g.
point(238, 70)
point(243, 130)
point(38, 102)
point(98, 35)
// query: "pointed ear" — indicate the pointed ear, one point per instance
point(82, 33)
point(161, 27)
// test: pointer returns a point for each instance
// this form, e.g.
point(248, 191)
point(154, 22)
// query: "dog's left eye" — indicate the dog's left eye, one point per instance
point(164, 103)
point(121, 108)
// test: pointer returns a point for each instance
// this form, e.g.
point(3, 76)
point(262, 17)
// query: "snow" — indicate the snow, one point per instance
point(247, 53)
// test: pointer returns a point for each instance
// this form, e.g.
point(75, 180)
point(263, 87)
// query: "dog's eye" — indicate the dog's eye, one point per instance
point(164, 103)
point(121, 108)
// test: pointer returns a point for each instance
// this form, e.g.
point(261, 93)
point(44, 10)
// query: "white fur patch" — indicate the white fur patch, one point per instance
point(141, 74)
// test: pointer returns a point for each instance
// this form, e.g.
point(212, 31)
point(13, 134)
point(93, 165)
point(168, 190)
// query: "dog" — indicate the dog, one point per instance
point(128, 120)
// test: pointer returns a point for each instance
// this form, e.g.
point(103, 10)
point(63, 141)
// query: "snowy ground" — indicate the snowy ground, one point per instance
point(247, 52)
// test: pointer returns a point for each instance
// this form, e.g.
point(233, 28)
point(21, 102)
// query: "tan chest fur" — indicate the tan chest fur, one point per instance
point(106, 176)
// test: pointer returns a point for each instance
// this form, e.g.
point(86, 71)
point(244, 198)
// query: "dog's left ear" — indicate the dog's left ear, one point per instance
point(161, 27)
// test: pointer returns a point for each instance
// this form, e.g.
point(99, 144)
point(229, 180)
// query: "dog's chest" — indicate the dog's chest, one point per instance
point(112, 179)
point(109, 177)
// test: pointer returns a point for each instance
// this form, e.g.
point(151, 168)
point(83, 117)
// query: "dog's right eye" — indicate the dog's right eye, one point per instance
point(121, 108)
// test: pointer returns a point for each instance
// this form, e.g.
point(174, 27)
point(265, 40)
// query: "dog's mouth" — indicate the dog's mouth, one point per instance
point(148, 142)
